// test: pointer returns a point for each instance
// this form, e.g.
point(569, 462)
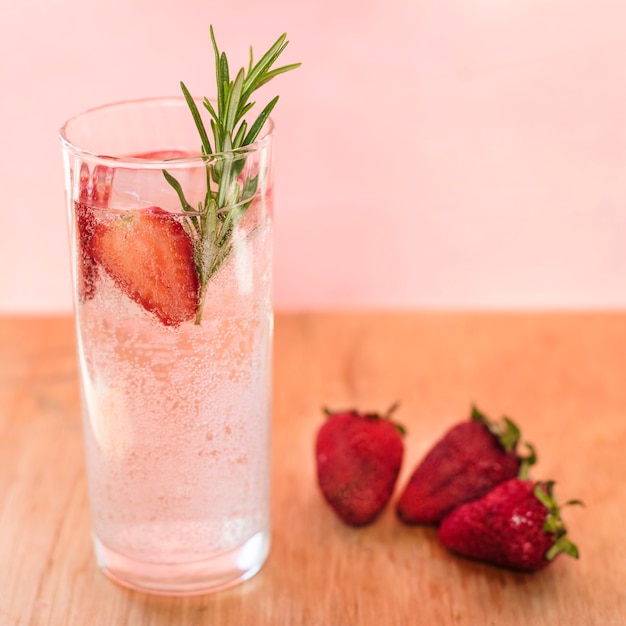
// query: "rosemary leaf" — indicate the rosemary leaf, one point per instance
point(224, 81)
point(233, 105)
point(179, 191)
point(273, 73)
point(241, 133)
point(251, 60)
point(206, 144)
point(255, 129)
point(209, 107)
point(265, 63)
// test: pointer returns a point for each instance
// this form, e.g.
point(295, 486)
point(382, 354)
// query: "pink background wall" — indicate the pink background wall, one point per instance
point(448, 154)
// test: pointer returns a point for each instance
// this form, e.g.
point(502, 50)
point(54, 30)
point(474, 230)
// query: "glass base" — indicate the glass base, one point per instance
point(186, 579)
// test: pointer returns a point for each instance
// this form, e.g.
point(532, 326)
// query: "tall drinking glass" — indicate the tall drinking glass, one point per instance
point(171, 255)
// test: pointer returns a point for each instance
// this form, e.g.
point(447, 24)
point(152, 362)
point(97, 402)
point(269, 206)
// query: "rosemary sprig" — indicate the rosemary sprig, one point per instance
point(227, 198)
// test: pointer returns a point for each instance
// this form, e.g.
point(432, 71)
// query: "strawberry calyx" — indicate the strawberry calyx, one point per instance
point(527, 461)
point(544, 492)
point(371, 416)
point(387, 416)
point(507, 431)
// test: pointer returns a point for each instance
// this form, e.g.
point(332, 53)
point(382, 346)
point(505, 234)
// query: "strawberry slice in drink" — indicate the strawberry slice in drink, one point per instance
point(150, 257)
point(94, 190)
point(87, 267)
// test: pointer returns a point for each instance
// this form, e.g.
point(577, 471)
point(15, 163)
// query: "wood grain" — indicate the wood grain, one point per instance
point(560, 376)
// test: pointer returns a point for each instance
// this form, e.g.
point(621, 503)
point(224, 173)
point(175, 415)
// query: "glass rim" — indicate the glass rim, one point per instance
point(259, 143)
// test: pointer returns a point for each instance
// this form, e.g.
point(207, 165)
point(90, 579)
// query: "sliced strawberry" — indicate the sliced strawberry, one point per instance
point(94, 190)
point(87, 267)
point(149, 255)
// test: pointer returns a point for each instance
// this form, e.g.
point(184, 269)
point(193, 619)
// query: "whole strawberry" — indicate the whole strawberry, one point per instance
point(358, 459)
point(517, 525)
point(472, 458)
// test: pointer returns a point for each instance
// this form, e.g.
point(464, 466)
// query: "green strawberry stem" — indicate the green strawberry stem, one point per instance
point(527, 462)
point(212, 223)
point(507, 432)
point(390, 411)
point(554, 524)
point(373, 416)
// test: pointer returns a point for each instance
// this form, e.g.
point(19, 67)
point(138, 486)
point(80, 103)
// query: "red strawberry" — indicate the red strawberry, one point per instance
point(472, 458)
point(86, 266)
point(94, 190)
point(150, 257)
point(517, 525)
point(358, 459)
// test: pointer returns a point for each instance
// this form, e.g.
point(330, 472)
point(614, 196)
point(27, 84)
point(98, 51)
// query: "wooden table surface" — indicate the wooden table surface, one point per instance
point(562, 377)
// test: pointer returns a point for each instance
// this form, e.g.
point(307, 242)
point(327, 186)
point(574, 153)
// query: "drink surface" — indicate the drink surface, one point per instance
point(177, 418)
